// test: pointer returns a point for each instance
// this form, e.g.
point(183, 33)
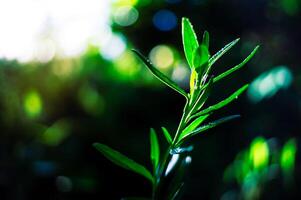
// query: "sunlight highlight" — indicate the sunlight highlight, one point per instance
point(43, 29)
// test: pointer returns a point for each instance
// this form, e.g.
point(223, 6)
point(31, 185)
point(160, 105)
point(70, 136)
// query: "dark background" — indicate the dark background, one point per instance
point(50, 155)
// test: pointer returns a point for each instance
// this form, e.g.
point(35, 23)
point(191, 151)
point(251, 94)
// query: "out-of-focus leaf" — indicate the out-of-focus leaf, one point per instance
point(206, 39)
point(155, 150)
point(135, 198)
point(237, 67)
point(160, 75)
point(190, 41)
point(192, 126)
point(221, 52)
point(207, 126)
point(200, 57)
point(222, 103)
point(167, 135)
point(123, 161)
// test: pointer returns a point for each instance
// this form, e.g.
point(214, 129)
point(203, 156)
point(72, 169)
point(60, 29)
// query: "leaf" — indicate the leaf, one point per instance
point(206, 127)
point(222, 103)
point(206, 39)
point(221, 52)
point(203, 97)
point(200, 57)
point(155, 150)
point(160, 75)
point(193, 125)
point(167, 135)
point(123, 161)
point(193, 80)
point(190, 41)
point(237, 67)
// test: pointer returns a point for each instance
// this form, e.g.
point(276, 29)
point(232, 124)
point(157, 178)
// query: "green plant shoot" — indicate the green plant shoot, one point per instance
point(194, 117)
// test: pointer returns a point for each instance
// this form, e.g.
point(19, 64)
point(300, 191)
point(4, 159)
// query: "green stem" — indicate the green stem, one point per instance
point(181, 124)
point(160, 173)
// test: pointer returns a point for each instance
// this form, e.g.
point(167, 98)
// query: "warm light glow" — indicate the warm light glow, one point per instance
point(162, 56)
point(180, 72)
point(36, 30)
point(126, 15)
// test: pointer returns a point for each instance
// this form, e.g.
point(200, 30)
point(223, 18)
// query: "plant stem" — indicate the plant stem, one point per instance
point(181, 124)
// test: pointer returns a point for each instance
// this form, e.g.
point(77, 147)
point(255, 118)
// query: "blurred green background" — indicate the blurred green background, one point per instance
point(68, 78)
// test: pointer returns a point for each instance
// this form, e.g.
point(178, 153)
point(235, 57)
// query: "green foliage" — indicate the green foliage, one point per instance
point(155, 150)
point(123, 161)
point(222, 103)
point(190, 41)
point(237, 67)
point(206, 39)
point(205, 127)
point(221, 52)
point(160, 75)
point(167, 135)
point(193, 117)
point(193, 126)
point(200, 56)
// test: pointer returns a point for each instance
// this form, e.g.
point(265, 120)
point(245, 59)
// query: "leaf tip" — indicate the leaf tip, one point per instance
point(185, 19)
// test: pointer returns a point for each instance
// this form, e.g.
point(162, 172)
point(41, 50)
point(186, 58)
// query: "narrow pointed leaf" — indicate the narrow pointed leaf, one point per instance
point(203, 97)
point(200, 57)
point(206, 127)
point(222, 103)
point(237, 67)
point(155, 150)
point(221, 52)
point(193, 125)
point(167, 135)
point(190, 41)
point(123, 161)
point(160, 75)
point(206, 39)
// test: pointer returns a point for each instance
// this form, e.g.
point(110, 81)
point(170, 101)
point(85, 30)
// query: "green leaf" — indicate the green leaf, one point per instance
point(221, 52)
point(237, 67)
point(200, 57)
point(123, 161)
point(155, 150)
point(206, 39)
point(190, 41)
point(222, 103)
point(167, 135)
point(160, 75)
point(206, 127)
point(233, 69)
point(193, 125)
point(202, 97)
